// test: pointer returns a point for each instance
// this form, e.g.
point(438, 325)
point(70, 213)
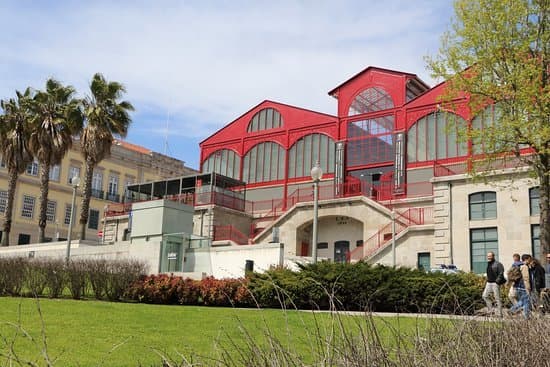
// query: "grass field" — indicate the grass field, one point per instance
point(91, 333)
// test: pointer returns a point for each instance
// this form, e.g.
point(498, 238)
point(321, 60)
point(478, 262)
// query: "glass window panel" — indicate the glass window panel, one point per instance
point(534, 201)
point(483, 240)
point(411, 144)
point(421, 140)
point(535, 240)
point(331, 156)
point(260, 162)
point(315, 156)
point(431, 125)
point(307, 155)
point(3, 201)
point(246, 168)
point(253, 163)
point(323, 152)
point(50, 210)
point(261, 118)
point(269, 118)
point(267, 163)
point(300, 158)
point(292, 162)
point(441, 136)
point(274, 165)
point(281, 168)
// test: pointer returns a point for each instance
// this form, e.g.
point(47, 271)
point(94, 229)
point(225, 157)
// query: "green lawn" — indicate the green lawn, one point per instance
point(84, 333)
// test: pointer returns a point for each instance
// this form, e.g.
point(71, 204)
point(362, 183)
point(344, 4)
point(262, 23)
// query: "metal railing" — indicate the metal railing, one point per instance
point(230, 233)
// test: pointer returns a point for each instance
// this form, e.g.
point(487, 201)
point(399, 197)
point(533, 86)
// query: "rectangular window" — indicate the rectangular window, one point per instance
point(2, 162)
point(67, 218)
point(113, 184)
point(54, 173)
point(535, 240)
point(28, 206)
point(50, 211)
point(483, 205)
point(97, 185)
point(3, 201)
point(482, 240)
point(534, 201)
point(24, 239)
point(73, 172)
point(93, 220)
point(32, 168)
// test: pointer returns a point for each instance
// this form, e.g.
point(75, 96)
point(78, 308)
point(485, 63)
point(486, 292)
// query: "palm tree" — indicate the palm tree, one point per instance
point(105, 116)
point(57, 117)
point(14, 134)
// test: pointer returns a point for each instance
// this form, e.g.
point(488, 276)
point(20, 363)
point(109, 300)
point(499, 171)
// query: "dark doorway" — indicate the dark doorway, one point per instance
point(341, 250)
point(424, 262)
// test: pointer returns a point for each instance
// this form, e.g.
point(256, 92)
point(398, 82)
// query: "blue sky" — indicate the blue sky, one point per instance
point(194, 66)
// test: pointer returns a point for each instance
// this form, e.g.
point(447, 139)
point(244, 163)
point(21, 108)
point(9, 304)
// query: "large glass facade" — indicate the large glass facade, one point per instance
point(268, 118)
point(264, 162)
point(225, 162)
point(370, 141)
point(435, 136)
point(371, 100)
point(307, 151)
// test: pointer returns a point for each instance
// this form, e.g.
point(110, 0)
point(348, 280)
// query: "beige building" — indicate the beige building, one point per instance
point(127, 164)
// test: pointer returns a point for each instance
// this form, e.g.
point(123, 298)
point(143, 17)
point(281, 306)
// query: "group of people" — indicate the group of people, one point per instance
point(526, 279)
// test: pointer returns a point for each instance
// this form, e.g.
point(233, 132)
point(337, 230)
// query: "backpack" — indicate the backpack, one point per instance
point(514, 274)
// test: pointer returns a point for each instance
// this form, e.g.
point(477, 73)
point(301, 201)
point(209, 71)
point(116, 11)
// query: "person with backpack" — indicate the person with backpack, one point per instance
point(523, 285)
point(512, 292)
point(495, 278)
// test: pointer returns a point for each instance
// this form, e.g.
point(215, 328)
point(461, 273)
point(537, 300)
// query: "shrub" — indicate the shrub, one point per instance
point(361, 286)
point(77, 275)
point(97, 276)
point(120, 275)
point(12, 275)
point(54, 270)
point(35, 277)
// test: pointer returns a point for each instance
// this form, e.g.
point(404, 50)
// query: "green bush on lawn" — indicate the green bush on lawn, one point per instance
point(361, 286)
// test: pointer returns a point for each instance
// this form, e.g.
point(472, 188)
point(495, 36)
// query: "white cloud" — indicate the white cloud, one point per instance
point(206, 64)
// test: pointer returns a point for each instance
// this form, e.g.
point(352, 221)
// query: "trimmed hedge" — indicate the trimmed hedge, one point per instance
point(169, 289)
point(99, 278)
point(360, 286)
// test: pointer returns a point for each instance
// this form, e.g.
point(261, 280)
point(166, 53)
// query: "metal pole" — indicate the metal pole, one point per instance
point(315, 219)
point(70, 226)
point(393, 237)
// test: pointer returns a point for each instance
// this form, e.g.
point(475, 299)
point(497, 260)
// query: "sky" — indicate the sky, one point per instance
point(192, 67)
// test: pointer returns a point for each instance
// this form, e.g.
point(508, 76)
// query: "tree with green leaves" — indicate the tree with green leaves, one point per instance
point(14, 135)
point(57, 117)
point(106, 116)
point(497, 52)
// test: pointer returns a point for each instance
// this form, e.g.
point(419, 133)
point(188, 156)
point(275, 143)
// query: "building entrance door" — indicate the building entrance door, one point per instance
point(424, 261)
point(341, 250)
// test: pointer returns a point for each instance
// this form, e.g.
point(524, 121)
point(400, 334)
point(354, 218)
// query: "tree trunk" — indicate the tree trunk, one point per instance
point(44, 188)
point(86, 195)
point(544, 191)
point(12, 183)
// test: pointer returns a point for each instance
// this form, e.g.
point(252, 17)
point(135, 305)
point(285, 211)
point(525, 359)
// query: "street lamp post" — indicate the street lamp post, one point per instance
point(75, 182)
point(316, 175)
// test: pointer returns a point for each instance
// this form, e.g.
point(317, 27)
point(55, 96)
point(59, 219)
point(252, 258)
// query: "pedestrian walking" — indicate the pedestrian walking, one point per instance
point(523, 288)
point(495, 278)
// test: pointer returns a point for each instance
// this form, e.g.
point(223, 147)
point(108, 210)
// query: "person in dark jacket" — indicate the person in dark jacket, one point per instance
point(537, 273)
point(495, 271)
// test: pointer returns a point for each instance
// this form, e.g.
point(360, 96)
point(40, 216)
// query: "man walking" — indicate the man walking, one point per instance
point(495, 277)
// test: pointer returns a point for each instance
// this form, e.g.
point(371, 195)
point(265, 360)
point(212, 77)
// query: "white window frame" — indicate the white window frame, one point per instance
point(55, 172)
point(50, 211)
point(27, 209)
point(32, 168)
point(71, 173)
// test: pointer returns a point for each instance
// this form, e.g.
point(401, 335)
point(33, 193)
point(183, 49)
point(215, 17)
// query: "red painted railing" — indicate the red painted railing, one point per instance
point(114, 210)
point(382, 238)
point(230, 233)
point(461, 165)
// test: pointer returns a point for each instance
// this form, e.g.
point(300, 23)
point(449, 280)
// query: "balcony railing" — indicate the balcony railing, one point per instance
point(113, 197)
point(98, 193)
